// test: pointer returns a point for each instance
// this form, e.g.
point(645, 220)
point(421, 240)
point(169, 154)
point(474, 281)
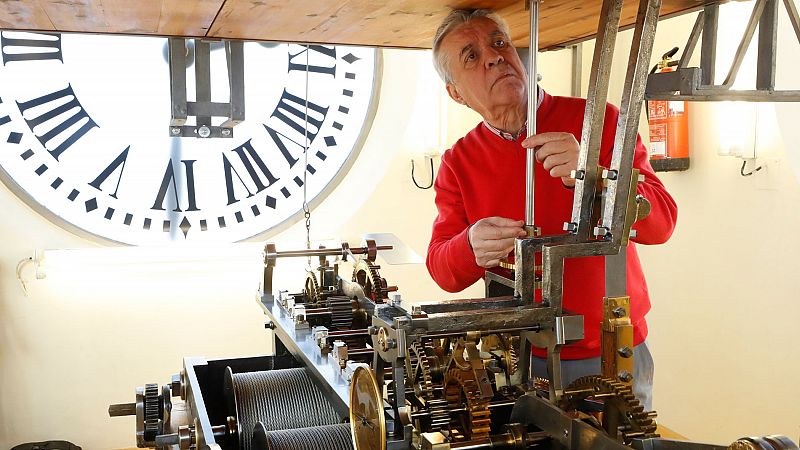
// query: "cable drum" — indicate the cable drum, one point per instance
point(327, 437)
point(279, 399)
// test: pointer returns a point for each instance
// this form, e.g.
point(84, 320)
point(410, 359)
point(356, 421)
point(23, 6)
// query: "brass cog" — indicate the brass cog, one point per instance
point(624, 418)
point(311, 288)
point(367, 276)
point(461, 391)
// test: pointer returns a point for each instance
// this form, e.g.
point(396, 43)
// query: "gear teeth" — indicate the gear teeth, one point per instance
point(637, 423)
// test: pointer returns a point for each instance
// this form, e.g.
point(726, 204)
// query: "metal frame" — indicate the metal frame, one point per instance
point(203, 109)
point(699, 83)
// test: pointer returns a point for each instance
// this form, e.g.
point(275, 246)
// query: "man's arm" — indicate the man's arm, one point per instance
point(657, 227)
point(450, 260)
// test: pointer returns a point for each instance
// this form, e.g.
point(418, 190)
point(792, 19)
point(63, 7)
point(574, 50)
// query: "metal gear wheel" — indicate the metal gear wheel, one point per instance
point(341, 313)
point(461, 391)
point(367, 276)
point(152, 412)
point(624, 418)
point(311, 289)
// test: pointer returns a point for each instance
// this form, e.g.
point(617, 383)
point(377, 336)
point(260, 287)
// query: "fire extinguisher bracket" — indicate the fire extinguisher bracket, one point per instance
point(670, 164)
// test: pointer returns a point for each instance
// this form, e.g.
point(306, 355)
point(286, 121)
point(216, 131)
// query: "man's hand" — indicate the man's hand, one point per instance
point(558, 153)
point(492, 239)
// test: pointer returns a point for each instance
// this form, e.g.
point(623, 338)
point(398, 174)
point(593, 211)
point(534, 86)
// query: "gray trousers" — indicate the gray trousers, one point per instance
point(572, 369)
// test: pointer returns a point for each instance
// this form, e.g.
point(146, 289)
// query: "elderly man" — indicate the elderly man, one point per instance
point(480, 188)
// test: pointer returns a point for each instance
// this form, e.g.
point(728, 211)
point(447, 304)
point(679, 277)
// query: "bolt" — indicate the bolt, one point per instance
point(373, 330)
point(625, 352)
point(577, 174)
point(610, 174)
point(391, 343)
point(625, 376)
point(226, 132)
point(601, 231)
point(633, 234)
point(204, 131)
point(566, 433)
point(175, 131)
point(416, 309)
point(269, 325)
point(618, 312)
point(571, 227)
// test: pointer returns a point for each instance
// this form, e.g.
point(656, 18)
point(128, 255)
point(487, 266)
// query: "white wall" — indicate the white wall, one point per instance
point(722, 328)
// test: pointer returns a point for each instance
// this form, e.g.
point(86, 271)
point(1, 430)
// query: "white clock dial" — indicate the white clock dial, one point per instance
point(84, 139)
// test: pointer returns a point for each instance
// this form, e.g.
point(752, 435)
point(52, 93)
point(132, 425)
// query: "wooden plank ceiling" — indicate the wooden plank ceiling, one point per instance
point(387, 23)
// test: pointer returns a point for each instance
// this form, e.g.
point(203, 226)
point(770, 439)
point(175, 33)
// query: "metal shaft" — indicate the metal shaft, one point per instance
point(327, 251)
point(530, 157)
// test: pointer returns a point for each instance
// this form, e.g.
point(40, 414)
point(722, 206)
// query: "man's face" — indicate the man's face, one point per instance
point(487, 73)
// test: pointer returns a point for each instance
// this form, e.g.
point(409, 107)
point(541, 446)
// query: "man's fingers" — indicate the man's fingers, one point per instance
point(496, 245)
point(556, 160)
point(502, 222)
point(543, 138)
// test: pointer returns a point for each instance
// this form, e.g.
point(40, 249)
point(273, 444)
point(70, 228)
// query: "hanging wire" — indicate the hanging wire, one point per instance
point(306, 209)
point(415, 180)
point(755, 148)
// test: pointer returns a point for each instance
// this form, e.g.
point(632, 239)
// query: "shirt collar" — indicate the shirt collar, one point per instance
point(513, 137)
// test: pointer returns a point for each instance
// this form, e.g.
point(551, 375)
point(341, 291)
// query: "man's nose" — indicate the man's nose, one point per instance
point(493, 57)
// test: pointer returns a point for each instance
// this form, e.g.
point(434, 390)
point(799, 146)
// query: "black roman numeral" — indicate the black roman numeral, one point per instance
point(53, 115)
point(169, 178)
point(302, 60)
point(279, 138)
point(248, 155)
point(119, 161)
point(37, 47)
point(291, 111)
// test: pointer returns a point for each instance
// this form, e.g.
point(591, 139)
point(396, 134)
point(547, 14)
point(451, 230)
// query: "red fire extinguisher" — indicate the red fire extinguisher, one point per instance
point(668, 120)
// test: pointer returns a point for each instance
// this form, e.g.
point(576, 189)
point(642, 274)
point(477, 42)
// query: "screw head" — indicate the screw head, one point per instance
point(625, 376)
point(577, 174)
point(204, 131)
point(572, 227)
point(226, 132)
point(618, 312)
point(175, 131)
point(625, 352)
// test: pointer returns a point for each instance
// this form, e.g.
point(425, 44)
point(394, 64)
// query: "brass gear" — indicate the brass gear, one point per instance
point(419, 370)
point(624, 418)
point(311, 289)
point(461, 391)
point(367, 276)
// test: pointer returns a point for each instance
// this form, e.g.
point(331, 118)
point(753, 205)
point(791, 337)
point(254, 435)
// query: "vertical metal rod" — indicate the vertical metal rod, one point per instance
point(794, 17)
point(577, 69)
point(691, 43)
point(767, 46)
point(530, 157)
point(592, 134)
point(708, 49)
point(177, 76)
point(622, 158)
point(749, 31)
point(234, 52)
point(202, 73)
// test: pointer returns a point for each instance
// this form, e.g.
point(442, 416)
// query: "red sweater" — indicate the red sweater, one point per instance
point(483, 175)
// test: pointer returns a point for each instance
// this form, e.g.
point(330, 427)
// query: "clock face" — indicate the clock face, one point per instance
point(84, 135)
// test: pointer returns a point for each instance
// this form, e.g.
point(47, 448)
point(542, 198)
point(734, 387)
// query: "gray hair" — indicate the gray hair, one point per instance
point(455, 18)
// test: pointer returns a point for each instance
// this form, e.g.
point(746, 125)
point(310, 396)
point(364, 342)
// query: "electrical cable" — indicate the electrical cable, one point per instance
point(430, 185)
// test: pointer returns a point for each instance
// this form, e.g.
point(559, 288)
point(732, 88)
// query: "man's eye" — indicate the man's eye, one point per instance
point(470, 57)
point(500, 43)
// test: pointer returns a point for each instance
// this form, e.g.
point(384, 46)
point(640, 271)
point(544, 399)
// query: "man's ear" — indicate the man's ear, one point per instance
point(452, 91)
